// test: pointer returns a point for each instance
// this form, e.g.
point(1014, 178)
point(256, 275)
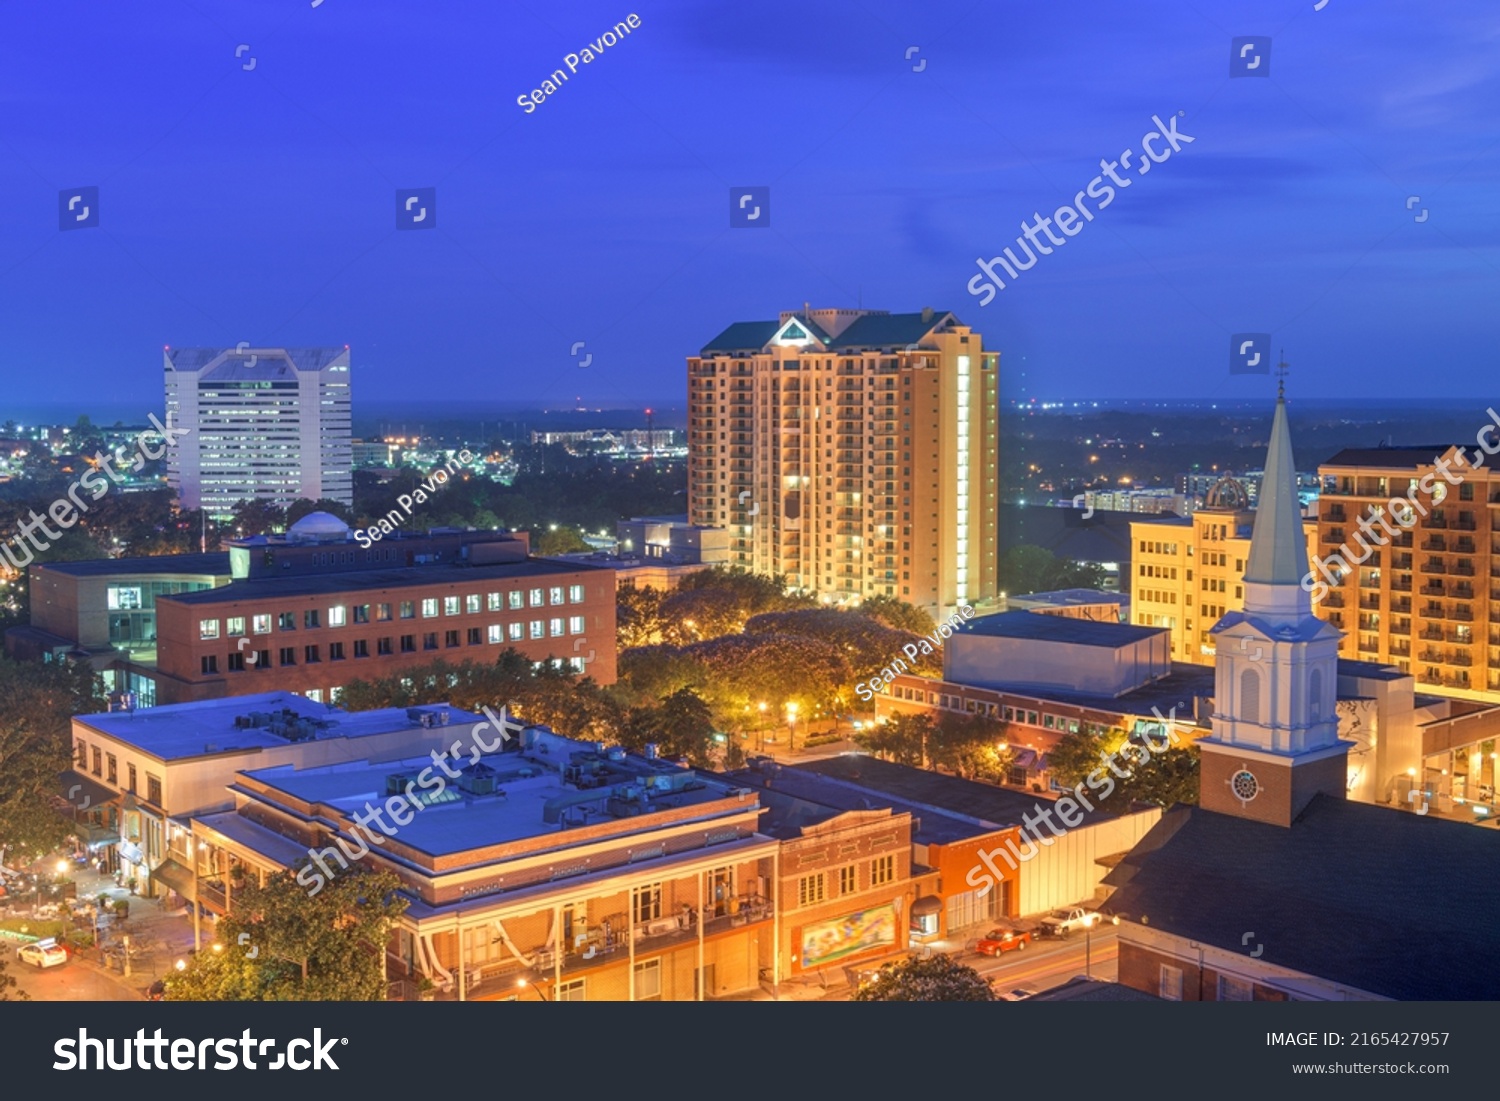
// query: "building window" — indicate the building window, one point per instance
point(1169, 984)
point(234, 626)
point(361, 648)
point(450, 639)
point(516, 600)
point(408, 644)
point(1235, 990)
point(571, 991)
point(646, 902)
point(471, 603)
point(383, 647)
point(361, 613)
point(82, 757)
point(882, 870)
point(476, 636)
point(494, 602)
point(811, 889)
point(335, 651)
point(450, 605)
point(310, 655)
point(287, 621)
point(338, 616)
point(555, 628)
point(575, 594)
point(153, 789)
point(261, 624)
point(109, 769)
point(847, 880)
point(288, 655)
point(575, 625)
point(310, 618)
point(429, 640)
point(236, 661)
point(208, 628)
point(538, 628)
point(208, 664)
point(648, 981)
point(130, 778)
point(536, 598)
point(555, 595)
point(496, 634)
point(98, 768)
point(517, 632)
point(429, 607)
point(382, 613)
point(408, 610)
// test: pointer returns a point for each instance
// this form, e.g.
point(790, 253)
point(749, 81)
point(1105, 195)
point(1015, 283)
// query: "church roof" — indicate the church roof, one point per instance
point(1397, 904)
point(1278, 545)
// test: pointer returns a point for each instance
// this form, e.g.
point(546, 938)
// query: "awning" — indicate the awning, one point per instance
point(177, 876)
point(82, 793)
point(93, 835)
point(925, 906)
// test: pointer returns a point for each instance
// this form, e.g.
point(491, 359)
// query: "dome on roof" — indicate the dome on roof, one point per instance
point(319, 526)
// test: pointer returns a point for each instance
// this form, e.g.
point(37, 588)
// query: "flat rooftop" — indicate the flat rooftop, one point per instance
point(177, 732)
point(529, 790)
point(368, 580)
point(998, 807)
point(1075, 596)
point(217, 564)
point(797, 798)
point(1050, 628)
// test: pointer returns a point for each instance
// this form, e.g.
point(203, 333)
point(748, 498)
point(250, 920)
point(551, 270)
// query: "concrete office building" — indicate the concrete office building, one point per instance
point(1187, 572)
point(262, 424)
point(853, 451)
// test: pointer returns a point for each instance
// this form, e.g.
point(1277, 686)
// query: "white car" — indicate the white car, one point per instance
point(44, 953)
point(1060, 923)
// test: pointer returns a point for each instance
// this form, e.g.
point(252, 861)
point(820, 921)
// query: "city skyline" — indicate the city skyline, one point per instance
point(1337, 205)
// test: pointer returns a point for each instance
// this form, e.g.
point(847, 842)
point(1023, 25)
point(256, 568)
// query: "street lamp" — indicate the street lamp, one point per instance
point(522, 983)
point(791, 726)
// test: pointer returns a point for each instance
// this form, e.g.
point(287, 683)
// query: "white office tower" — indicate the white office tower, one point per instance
point(264, 424)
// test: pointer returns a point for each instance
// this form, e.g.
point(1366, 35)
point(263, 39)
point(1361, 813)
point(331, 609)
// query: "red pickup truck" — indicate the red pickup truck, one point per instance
point(998, 941)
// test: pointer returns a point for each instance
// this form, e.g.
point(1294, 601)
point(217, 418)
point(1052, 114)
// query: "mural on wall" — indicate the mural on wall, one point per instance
point(838, 938)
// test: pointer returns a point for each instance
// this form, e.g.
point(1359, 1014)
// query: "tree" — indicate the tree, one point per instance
point(937, 979)
point(969, 744)
point(1076, 755)
point(282, 944)
point(903, 738)
point(684, 727)
point(898, 614)
point(1030, 569)
point(8, 982)
point(638, 619)
point(37, 705)
point(558, 540)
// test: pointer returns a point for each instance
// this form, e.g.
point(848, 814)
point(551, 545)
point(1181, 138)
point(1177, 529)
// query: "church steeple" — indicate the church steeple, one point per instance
point(1275, 742)
point(1278, 545)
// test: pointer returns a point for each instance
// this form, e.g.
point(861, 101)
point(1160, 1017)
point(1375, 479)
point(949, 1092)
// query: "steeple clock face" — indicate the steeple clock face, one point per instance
point(1244, 785)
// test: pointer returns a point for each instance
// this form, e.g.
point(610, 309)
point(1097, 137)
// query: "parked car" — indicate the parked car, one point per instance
point(1019, 994)
point(157, 991)
point(998, 941)
point(44, 953)
point(1061, 923)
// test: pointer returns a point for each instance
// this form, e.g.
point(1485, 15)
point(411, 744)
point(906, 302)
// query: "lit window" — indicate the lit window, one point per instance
point(538, 628)
point(575, 625)
point(536, 598)
point(471, 603)
point(450, 605)
point(429, 607)
point(575, 594)
point(338, 615)
point(208, 628)
point(234, 626)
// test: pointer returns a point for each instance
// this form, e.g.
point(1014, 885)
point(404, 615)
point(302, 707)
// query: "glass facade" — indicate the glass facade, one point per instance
point(132, 610)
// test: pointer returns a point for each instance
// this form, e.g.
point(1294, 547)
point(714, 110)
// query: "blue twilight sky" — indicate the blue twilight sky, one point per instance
point(249, 194)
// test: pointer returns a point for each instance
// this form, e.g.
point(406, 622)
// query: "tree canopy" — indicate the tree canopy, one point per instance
point(37, 705)
point(281, 945)
point(936, 979)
